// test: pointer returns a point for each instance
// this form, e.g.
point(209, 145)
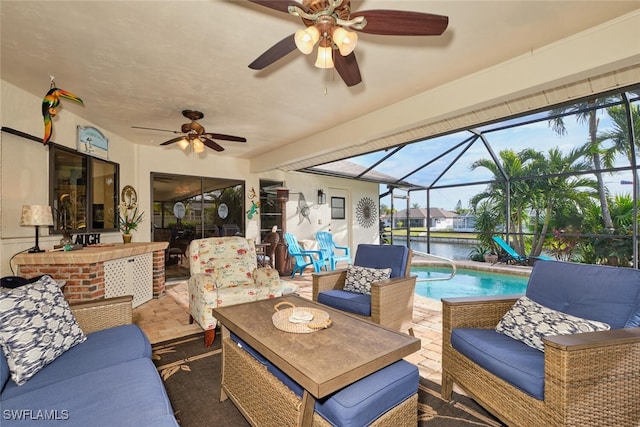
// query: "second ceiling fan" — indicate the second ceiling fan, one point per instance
point(328, 23)
point(194, 133)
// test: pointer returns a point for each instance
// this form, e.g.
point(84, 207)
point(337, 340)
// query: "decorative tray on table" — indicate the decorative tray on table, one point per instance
point(299, 320)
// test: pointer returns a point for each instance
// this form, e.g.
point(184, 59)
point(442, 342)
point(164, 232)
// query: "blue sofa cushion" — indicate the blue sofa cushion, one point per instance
point(4, 371)
point(352, 302)
point(101, 349)
point(359, 403)
point(509, 359)
point(127, 394)
point(383, 256)
point(607, 294)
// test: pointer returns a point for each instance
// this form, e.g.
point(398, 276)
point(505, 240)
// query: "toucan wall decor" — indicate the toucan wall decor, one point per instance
point(50, 104)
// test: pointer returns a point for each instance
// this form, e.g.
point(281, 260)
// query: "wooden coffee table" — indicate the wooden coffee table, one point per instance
point(323, 361)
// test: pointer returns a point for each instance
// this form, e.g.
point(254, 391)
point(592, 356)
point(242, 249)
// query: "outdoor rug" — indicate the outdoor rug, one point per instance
point(192, 375)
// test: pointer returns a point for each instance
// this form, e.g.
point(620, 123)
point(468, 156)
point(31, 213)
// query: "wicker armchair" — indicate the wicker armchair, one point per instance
point(590, 379)
point(391, 299)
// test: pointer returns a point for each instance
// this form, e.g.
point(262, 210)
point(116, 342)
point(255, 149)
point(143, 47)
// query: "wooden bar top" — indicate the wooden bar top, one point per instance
point(90, 254)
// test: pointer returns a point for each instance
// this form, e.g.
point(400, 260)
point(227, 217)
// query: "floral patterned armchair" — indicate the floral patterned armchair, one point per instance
point(224, 272)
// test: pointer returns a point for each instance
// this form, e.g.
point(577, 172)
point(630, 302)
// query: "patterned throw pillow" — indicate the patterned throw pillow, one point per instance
point(359, 278)
point(529, 322)
point(36, 326)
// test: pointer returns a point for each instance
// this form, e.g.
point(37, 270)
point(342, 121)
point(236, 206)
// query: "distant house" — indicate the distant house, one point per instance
point(464, 222)
point(440, 219)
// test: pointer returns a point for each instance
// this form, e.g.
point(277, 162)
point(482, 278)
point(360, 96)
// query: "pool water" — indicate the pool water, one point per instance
point(466, 283)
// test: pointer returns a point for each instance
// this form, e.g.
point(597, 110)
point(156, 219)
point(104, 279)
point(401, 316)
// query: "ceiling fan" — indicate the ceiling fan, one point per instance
point(328, 23)
point(194, 133)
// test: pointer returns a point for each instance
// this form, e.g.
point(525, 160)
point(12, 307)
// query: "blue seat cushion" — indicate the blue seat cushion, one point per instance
point(352, 302)
point(383, 256)
point(509, 359)
point(100, 349)
point(359, 403)
point(126, 394)
point(606, 294)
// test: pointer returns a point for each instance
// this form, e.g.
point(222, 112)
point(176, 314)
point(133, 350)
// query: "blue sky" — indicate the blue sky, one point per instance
point(536, 135)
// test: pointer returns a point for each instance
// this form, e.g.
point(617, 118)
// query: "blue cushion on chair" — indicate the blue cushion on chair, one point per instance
point(606, 294)
point(352, 302)
point(383, 256)
point(509, 359)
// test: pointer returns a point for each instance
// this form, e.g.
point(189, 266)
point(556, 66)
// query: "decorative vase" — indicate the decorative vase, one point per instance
point(126, 238)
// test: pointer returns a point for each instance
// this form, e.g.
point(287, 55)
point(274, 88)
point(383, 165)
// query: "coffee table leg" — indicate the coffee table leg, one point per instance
point(306, 413)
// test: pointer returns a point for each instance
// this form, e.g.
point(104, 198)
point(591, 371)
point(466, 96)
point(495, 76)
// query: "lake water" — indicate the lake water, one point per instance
point(448, 250)
point(466, 283)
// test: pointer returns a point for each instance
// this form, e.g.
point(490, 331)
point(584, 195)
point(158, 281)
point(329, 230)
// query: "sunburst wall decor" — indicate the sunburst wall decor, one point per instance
point(366, 212)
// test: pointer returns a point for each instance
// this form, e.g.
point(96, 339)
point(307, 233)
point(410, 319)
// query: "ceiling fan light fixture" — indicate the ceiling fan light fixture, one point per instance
point(325, 57)
point(183, 143)
point(306, 39)
point(198, 146)
point(345, 40)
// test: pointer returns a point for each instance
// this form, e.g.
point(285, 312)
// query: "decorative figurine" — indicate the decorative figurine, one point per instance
point(49, 107)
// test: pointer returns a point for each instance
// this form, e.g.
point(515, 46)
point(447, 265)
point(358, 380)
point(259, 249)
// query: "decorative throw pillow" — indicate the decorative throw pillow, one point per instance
point(36, 326)
point(359, 278)
point(529, 322)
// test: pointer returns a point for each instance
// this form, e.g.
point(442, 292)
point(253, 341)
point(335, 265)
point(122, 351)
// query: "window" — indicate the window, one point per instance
point(338, 208)
point(82, 192)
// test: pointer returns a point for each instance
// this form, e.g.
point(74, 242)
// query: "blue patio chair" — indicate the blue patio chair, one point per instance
point(512, 255)
point(304, 258)
point(329, 247)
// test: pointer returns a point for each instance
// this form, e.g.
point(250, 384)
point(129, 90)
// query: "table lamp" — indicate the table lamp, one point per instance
point(36, 215)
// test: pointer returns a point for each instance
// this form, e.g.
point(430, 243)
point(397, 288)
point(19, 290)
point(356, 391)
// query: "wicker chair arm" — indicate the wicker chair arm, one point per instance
point(327, 280)
point(475, 312)
point(392, 302)
point(602, 366)
point(103, 314)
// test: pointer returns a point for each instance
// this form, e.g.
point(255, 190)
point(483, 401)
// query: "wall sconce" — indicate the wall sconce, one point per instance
point(322, 197)
point(36, 215)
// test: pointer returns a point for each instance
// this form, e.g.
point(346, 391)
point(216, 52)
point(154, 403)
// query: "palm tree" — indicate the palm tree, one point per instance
point(585, 112)
point(619, 134)
point(539, 196)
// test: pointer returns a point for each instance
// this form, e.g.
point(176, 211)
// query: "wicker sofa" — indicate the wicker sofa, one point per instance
point(107, 380)
point(581, 379)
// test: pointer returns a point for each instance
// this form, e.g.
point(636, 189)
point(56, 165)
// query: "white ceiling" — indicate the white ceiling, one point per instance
point(140, 63)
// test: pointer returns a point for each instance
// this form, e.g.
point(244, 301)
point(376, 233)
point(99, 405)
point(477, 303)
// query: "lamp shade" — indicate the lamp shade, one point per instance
point(325, 57)
point(36, 215)
point(306, 39)
point(183, 143)
point(345, 40)
point(198, 146)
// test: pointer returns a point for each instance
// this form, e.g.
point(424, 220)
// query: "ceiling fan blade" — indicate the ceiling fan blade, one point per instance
point(211, 144)
point(347, 67)
point(161, 130)
point(280, 5)
point(402, 23)
point(224, 137)
point(275, 52)
point(171, 141)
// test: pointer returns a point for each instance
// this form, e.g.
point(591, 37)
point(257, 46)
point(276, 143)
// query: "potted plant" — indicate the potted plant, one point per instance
point(128, 219)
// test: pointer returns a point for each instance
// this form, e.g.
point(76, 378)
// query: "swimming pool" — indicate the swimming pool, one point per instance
point(466, 283)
